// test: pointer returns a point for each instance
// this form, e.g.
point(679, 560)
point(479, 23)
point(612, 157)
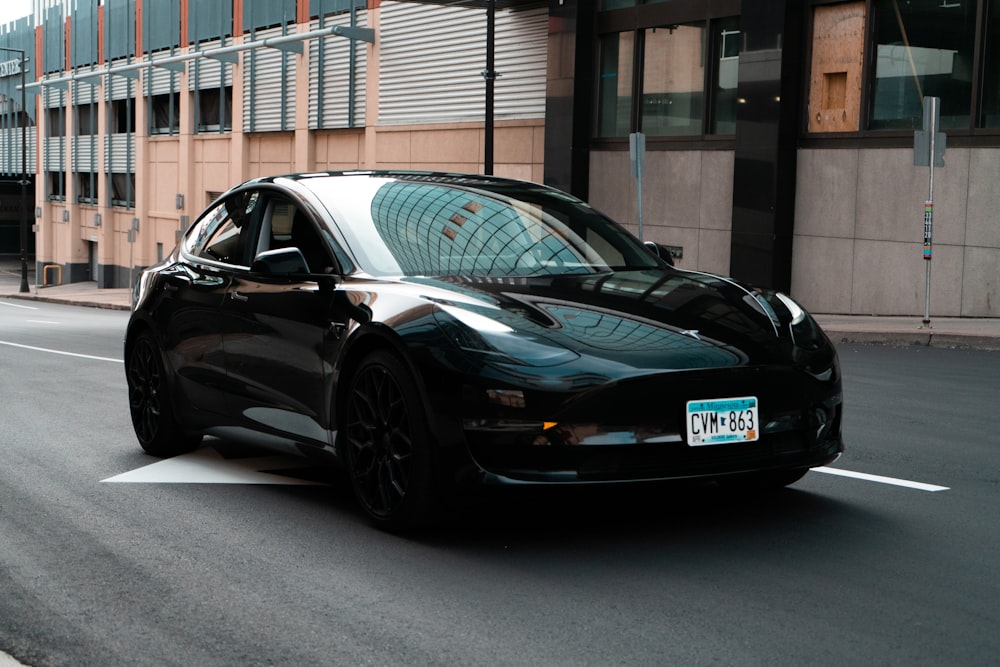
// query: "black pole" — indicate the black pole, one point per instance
point(490, 75)
point(24, 181)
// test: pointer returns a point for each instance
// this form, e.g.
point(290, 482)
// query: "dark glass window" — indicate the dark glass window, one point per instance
point(86, 188)
point(673, 80)
point(724, 97)
point(615, 85)
point(923, 49)
point(123, 116)
point(223, 234)
point(991, 73)
point(55, 122)
point(123, 190)
point(215, 110)
point(86, 119)
point(164, 113)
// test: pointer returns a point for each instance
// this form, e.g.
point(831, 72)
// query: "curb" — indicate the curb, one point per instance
point(916, 339)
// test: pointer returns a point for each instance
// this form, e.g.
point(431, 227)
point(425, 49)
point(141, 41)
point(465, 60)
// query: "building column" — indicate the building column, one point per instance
point(767, 130)
point(568, 98)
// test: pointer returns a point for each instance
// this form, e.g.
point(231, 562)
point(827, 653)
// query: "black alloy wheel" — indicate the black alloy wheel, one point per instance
point(385, 442)
point(149, 401)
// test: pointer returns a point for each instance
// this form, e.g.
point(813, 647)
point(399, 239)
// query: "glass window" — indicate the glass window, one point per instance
point(86, 119)
point(673, 80)
point(727, 34)
point(123, 116)
point(86, 188)
point(122, 190)
point(223, 234)
point(215, 110)
point(923, 48)
point(165, 113)
point(991, 72)
point(55, 122)
point(615, 85)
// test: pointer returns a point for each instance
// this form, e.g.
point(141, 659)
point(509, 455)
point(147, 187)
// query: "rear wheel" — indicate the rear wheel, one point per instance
point(149, 401)
point(385, 443)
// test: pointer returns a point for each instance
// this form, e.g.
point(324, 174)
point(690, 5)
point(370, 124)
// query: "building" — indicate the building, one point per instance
point(779, 134)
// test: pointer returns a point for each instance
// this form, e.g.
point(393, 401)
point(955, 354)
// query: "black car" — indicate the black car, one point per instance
point(434, 330)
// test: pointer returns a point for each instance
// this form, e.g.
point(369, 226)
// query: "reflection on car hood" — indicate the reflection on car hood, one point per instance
point(648, 319)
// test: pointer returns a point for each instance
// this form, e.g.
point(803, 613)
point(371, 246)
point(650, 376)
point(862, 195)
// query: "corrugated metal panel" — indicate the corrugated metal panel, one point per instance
point(521, 58)
point(53, 97)
point(329, 98)
point(268, 87)
point(55, 154)
point(120, 87)
point(119, 153)
point(206, 72)
point(85, 153)
point(10, 152)
point(432, 59)
point(54, 38)
point(85, 92)
point(160, 81)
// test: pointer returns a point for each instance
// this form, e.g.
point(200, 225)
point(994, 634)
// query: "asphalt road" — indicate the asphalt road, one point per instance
point(106, 559)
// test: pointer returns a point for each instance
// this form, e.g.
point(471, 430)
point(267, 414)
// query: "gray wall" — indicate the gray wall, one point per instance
point(687, 201)
point(859, 224)
point(859, 233)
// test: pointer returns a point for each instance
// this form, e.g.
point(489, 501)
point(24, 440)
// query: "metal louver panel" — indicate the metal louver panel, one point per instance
point(55, 154)
point(522, 60)
point(85, 153)
point(329, 94)
point(207, 72)
point(119, 156)
point(11, 156)
point(161, 80)
point(85, 92)
point(120, 87)
point(268, 87)
point(432, 59)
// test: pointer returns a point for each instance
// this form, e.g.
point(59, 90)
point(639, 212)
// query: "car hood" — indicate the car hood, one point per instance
point(624, 322)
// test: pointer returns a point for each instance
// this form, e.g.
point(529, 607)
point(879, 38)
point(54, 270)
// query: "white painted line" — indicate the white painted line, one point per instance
point(43, 322)
point(881, 480)
point(68, 354)
point(17, 305)
point(208, 466)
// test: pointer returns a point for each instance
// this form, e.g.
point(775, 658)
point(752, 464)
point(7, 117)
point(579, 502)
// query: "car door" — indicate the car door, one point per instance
point(282, 332)
point(192, 292)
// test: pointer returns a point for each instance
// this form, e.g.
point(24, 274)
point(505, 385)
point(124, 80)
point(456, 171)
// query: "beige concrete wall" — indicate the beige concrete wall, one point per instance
point(687, 201)
point(859, 233)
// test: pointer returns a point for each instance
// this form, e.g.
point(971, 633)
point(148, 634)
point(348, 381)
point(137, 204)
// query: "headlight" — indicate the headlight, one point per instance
point(497, 341)
point(804, 330)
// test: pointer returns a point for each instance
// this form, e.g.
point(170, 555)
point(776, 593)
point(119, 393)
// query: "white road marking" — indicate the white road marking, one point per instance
point(881, 480)
point(68, 354)
point(43, 322)
point(208, 466)
point(17, 305)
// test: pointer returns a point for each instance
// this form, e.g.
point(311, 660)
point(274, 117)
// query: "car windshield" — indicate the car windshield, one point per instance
point(455, 226)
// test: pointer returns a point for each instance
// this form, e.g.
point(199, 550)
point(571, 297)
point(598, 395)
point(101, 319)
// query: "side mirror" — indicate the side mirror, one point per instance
point(661, 251)
point(281, 262)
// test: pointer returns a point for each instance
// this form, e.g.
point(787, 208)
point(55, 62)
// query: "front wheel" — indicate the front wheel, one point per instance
point(385, 443)
point(149, 401)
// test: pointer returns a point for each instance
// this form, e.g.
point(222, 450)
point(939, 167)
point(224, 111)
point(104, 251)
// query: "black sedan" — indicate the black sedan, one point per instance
point(435, 330)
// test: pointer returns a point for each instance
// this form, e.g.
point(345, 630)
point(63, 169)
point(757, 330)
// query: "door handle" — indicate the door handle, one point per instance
point(236, 296)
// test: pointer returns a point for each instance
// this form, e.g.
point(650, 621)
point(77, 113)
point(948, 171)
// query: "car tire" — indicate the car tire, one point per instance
point(149, 401)
point(384, 439)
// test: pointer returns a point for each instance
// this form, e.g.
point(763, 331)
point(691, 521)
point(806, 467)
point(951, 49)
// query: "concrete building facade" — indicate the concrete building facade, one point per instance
point(779, 135)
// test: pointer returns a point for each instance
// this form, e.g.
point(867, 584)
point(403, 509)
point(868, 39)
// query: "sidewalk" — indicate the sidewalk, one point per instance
point(979, 333)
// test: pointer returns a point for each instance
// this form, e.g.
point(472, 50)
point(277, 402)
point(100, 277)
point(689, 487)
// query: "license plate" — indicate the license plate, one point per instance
point(722, 420)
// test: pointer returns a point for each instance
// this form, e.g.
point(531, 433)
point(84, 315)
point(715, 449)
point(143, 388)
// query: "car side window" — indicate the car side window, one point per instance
point(287, 226)
point(224, 233)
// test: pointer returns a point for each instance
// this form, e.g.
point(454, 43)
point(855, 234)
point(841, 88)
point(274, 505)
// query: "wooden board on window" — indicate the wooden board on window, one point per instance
point(837, 55)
